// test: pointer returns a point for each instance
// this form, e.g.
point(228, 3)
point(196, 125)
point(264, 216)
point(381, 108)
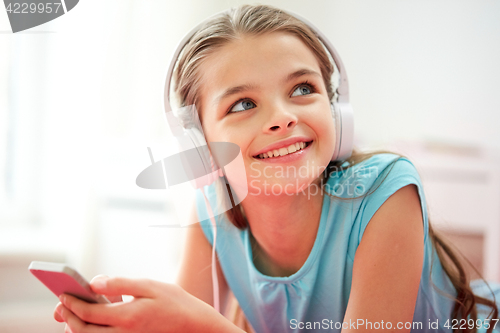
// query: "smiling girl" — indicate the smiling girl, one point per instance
point(341, 242)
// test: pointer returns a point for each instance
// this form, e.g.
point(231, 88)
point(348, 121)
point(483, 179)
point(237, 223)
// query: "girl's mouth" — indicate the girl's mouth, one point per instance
point(285, 153)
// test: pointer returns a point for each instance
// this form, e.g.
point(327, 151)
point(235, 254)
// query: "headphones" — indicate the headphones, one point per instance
point(186, 127)
point(188, 123)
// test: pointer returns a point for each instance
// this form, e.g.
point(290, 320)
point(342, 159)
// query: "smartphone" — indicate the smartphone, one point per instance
point(62, 279)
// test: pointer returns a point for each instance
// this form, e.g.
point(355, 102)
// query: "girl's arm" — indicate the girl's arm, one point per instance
point(157, 307)
point(388, 265)
point(195, 274)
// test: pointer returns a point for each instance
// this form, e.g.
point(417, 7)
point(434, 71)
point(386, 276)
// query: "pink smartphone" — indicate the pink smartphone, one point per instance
point(61, 279)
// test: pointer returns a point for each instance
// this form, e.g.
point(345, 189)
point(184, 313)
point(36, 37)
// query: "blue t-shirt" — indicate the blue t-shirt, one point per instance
point(315, 297)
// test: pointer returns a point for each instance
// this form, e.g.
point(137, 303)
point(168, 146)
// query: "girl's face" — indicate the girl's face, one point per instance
point(264, 93)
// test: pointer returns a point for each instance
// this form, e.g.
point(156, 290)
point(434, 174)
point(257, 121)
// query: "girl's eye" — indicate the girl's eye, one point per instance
point(303, 89)
point(242, 106)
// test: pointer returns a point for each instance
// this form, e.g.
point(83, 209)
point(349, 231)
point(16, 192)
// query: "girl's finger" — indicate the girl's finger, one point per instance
point(100, 314)
point(57, 316)
point(97, 281)
point(111, 298)
point(118, 286)
point(76, 325)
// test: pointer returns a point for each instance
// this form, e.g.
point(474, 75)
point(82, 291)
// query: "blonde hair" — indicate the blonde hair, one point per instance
point(254, 20)
point(237, 23)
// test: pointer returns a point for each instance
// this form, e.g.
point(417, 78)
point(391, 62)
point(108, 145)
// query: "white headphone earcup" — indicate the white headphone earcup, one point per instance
point(344, 130)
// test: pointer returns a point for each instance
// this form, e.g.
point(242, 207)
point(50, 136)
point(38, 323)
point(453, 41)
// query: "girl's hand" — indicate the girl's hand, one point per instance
point(112, 299)
point(156, 307)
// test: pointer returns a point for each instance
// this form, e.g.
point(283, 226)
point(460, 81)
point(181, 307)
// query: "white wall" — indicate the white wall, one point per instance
point(422, 69)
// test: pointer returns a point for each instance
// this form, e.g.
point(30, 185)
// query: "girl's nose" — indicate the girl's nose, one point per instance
point(280, 119)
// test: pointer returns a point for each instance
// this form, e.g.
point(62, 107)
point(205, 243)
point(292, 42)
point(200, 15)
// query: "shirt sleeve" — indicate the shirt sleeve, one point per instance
point(393, 177)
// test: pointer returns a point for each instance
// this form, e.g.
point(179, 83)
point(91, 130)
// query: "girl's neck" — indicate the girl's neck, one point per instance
point(283, 230)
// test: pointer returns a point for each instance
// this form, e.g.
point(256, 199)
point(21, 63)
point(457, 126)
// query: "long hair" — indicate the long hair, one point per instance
point(249, 20)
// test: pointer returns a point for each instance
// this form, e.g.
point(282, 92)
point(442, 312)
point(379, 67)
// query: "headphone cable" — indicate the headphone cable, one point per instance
point(215, 280)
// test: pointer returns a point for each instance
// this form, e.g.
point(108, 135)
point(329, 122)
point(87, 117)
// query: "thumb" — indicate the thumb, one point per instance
point(117, 286)
point(94, 281)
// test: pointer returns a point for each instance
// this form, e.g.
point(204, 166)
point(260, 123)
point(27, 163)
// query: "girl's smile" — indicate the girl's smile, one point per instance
point(266, 94)
point(287, 153)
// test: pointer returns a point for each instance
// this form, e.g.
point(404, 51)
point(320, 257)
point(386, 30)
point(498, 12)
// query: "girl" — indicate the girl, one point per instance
point(325, 245)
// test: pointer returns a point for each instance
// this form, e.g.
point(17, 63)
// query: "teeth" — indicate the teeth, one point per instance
point(283, 151)
point(292, 149)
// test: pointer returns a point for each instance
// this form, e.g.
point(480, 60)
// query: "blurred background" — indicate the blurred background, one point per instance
point(81, 99)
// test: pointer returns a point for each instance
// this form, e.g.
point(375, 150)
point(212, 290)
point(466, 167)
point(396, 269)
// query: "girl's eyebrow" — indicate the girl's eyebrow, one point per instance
point(234, 90)
point(301, 72)
point(246, 87)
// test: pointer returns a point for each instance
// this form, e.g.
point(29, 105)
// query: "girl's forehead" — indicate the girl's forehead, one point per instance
point(254, 62)
point(259, 51)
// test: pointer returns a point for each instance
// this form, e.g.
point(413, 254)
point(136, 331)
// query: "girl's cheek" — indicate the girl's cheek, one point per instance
point(253, 171)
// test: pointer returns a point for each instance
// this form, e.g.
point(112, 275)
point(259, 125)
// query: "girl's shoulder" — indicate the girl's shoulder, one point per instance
point(388, 168)
point(368, 185)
